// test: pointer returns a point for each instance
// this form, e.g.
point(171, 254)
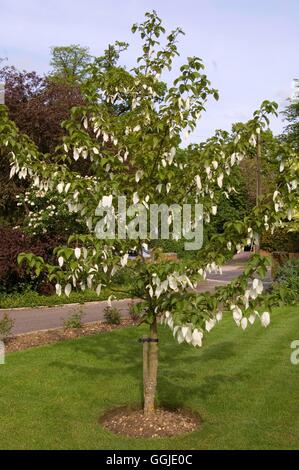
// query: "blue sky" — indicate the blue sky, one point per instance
point(249, 47)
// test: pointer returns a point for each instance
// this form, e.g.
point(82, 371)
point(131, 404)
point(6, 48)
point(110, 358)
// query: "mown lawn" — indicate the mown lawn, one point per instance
point(241, 383)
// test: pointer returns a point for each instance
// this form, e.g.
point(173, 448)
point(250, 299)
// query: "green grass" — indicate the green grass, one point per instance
point(241, 383)
point(31, 298)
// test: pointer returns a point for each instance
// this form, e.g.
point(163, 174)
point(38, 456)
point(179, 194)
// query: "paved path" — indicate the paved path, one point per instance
point(42, 318)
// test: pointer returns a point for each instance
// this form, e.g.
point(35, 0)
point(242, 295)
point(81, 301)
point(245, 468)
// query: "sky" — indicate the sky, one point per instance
point(249, 47)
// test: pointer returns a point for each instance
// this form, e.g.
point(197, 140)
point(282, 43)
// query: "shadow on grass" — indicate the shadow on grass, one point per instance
point(119, 355)
point(106, 356)
point(207, 387)
point(220, 351)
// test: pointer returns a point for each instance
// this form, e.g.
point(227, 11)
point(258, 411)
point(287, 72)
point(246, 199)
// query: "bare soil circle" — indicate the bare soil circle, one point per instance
point(132, 422)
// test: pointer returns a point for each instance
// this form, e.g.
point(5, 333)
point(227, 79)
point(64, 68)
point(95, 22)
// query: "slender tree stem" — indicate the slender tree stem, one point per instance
point(145, 367)
point(150, 386)
point(258, 183)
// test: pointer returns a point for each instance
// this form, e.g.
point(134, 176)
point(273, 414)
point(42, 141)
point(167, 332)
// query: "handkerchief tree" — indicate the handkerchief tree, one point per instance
point(130, 130)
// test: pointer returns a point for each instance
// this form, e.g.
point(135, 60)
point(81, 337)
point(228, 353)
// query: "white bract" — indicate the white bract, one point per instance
point(58, 289)
point(265, 319)
point(198, 182)
point(124, 260)
point(68, 289)
point(220, 180)
point(244, 323)
point(210, 324)
point(237, 313)
point(257, 286)
point(197, 338)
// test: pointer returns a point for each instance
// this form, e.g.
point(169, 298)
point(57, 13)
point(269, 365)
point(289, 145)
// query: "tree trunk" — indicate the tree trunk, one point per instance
point(150, 368)
point(145, 366)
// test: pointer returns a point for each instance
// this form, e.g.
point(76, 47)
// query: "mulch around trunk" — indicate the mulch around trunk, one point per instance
point(40, 338)
point(163, 423)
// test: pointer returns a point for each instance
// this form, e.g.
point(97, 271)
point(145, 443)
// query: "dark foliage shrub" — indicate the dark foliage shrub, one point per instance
point(46, 288)
point(287, 279)
point(14, 277)
point(288, 274)
point(280, 240)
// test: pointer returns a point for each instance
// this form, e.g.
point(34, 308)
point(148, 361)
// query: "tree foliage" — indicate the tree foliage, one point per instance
point(129, 129)
point(69, 63)
point(291, 130)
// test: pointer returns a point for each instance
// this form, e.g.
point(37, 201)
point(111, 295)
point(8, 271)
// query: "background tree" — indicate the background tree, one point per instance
point(69, 63)
point(291, 115)
point(291, 131)
point(291, 136)
point(38, 106)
